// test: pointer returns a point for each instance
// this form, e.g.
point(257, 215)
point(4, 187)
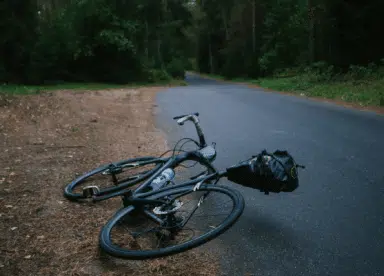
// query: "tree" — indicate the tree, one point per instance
point(17, 27)
point(257, 37)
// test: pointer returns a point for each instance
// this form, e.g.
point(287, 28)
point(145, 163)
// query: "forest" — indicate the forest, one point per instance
point(118, 41)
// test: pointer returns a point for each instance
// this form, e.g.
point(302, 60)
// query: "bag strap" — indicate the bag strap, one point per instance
point(264, 152)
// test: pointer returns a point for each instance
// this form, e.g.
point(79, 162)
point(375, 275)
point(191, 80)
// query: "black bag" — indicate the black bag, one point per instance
point(267, 172)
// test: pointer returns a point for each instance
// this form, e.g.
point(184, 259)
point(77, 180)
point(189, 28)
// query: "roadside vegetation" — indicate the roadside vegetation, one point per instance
point(363, 86)
point(321, 48)
point(333, 46)
point(16, 89)
point(359, 85)
point(47, 42)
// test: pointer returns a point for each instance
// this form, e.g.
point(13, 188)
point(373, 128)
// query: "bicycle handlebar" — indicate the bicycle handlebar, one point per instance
point(181, 116)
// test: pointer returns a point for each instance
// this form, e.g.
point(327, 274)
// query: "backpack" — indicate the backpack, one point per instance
point(268, 172)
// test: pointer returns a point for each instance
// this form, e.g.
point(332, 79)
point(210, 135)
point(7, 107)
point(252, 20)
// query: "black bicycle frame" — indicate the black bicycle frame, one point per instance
point(138, 199)
point(174, 162)
point(171, 162)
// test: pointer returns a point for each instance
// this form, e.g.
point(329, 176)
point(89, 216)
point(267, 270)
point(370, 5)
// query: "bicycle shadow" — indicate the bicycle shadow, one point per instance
point(261, 245)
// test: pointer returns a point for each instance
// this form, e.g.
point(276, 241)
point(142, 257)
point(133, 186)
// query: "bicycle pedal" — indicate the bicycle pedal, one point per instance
point(90, 191)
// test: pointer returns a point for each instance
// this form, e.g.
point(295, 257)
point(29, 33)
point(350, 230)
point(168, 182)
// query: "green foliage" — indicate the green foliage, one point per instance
point(158, 75)
point(252, 38)
point(268, 61)
point(176, 68)
point(360, 72)
point(94, 41)
point(37, 89)
point(319, 72)
point(148, 40)
point(18, 32)
point(318, 81)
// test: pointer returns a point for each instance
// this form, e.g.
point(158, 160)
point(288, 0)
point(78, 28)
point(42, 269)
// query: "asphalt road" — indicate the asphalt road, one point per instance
point(333, 223)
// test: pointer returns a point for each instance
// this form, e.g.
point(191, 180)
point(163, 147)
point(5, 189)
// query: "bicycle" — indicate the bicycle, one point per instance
point(157, 165)
point(167, 210)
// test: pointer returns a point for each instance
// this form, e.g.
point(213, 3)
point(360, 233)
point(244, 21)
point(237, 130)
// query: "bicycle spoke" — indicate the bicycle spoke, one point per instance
point(199, 212)
point(180, 226)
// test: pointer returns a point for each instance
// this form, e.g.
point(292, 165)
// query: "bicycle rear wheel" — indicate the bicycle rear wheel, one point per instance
point(162, 230)
point(113, 177)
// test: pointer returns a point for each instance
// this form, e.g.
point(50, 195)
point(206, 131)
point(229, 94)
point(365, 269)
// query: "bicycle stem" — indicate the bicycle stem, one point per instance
point(195, 120)
point(200, 133)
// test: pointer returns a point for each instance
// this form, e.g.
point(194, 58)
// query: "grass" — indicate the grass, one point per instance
point(362, 92)
point(365, 92)
point(36, 89)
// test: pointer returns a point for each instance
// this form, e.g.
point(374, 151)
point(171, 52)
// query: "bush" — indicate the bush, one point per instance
point(54, 50)
point(268, 62)
point(90, 41)
point(360, 72)
point(176, 68)
point(158, 75)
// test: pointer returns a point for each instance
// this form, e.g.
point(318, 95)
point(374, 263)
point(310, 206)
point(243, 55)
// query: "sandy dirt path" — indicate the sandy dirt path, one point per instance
point(45, 141)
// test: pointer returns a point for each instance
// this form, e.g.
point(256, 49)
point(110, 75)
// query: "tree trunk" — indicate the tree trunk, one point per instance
point(311, 41)
point(160, 57)
point(253, 28)
point(146, 40)
point(210, 57)
point(225, 23)
point(165, 6)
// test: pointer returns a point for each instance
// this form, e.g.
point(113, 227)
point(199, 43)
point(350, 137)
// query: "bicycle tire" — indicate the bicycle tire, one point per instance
point(107, 246)
point(69, 189)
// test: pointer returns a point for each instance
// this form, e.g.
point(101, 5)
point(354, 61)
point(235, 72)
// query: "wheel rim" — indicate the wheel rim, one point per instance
point(137, 236)
point(128, 175)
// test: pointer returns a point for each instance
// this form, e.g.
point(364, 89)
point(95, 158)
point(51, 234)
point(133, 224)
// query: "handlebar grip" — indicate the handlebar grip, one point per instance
point(181, 116)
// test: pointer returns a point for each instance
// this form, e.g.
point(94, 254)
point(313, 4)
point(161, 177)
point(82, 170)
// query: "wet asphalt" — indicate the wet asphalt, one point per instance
point(333, 224)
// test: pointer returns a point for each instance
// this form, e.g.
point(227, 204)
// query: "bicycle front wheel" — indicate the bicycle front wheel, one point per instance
point(189, 219)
